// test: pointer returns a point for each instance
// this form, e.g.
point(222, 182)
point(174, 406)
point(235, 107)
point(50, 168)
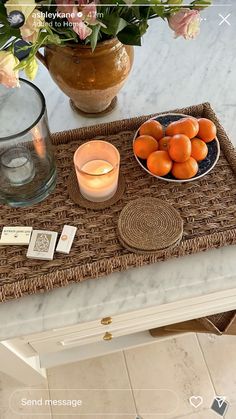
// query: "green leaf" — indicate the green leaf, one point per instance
point(54, 39)
point(175, 2)
point(3, 39)
point(42, 38)
point(31, 68)
point(200, 4)
point(143, 11)
point(94, 36)
point(143, 26)
point(158, 8)
point(3, 14)
point(114, 24)
point(130, 35)
point(21, 65)
point(65, 33)
point(136, 12)
point(127, 13)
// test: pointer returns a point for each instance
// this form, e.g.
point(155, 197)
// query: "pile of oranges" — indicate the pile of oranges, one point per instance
point(177, 148)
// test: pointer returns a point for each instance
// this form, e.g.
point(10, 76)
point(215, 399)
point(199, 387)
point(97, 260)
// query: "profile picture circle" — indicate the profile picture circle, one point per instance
point(16, 19)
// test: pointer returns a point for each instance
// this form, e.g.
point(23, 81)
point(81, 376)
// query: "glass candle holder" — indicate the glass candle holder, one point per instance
point(17, 165)
point(97, 168)
point(27, 165)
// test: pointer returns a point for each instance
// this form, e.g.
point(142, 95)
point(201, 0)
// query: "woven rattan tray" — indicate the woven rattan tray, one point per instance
point(208, 208)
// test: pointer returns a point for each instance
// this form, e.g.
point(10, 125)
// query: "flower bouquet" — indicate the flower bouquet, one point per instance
point(68, 22)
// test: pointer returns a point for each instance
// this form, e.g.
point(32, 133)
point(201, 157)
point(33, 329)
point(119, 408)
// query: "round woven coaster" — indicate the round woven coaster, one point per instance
point(149, 224)
point(148, 252)
point(77, 198)
point(106, 111)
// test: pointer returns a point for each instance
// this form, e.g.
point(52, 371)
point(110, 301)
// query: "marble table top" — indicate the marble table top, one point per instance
point(167, 74)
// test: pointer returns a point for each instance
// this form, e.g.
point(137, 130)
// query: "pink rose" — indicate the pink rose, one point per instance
point(80, 16)
point(186, 23)
point(8, 76)
point(82, 30)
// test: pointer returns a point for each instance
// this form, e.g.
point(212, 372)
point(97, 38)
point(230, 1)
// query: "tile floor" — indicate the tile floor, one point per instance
point(154, 381)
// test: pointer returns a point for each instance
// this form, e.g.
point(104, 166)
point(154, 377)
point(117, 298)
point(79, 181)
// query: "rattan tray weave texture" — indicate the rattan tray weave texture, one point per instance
point(207, 207)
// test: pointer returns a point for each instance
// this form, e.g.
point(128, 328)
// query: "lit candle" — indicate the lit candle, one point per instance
point(17, 165)
point(97, 169)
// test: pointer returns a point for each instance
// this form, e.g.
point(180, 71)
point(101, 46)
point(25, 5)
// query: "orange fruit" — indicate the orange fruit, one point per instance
point(195, 122)
point(153, 128)
point(163, 143)
point(185, 170)
point(179, 148)
point(199, 149)
point(207, 130)
point(144, 145)
point(159, 163)
point(186, 126)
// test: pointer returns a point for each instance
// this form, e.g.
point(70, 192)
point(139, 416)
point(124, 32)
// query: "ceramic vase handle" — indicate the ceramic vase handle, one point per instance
point(42, 59)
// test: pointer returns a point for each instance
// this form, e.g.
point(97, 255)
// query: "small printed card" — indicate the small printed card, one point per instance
point(42, 245)
point(66, 239)
point(15, 236)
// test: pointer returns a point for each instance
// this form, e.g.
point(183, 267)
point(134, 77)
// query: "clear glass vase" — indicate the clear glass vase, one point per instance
point(27, 164)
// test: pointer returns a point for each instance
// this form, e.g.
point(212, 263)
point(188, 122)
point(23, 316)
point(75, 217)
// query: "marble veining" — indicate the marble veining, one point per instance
point(167, 74)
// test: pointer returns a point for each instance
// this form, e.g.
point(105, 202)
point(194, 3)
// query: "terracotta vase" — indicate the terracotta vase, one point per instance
point(90, 79)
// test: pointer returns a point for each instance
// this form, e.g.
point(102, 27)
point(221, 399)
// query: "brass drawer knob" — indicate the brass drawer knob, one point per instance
point(107, 336)
point(106, 321)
